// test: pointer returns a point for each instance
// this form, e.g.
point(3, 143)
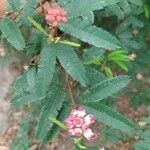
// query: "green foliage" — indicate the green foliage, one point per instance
point(46, 69)
point(110, 117)
point(52, 105)
point(28, 10)
point(22, 140)
point(86, 58)
point(72, 64)
point(90, 34)
point(104, 89)
point(14, 5)
point(93, 55)
point(78, 8)
point(11, 32)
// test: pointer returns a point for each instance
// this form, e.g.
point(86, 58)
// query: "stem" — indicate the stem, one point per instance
point(69, 89)
point(103, 65)
point(69, 43)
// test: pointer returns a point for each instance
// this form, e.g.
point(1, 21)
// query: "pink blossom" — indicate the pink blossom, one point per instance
point(78, 132)
point(71, 132)
point(85, 127)
point(89, 135)
point(69, 124)
point(78, 124)
point(89, 119)
point(56, 15)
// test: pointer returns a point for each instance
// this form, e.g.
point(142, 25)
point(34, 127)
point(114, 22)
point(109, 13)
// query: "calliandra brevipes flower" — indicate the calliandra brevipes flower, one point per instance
point(78, 124)
point(56, 15)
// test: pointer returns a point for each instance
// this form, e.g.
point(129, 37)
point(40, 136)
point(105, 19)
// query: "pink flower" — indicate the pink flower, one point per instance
point(78, 132)
point(71, 117)
point(71, 132)
point(69, 124)
point(89, 119)
point(78, 122)
point(85, 127)
point(56, 15)
point(89, 135)
point(81, 112)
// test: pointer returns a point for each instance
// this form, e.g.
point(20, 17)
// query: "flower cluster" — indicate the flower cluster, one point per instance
point(78, 124)
point(56, 15)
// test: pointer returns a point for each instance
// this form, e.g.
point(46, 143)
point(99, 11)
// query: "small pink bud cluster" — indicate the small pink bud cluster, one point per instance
point(56, 15)
point(78, 124)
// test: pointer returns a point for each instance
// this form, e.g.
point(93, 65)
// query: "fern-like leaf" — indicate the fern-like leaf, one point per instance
point(111, 117)
point(78, 7)
point(28, 11)
point(51, 107)
point(14, 5)
point(72, 64)
point(105, 89)
point(90, 34)
point(46, 69)
point(11, 32)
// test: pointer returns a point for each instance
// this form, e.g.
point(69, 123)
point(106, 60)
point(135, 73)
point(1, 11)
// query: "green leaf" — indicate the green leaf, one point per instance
point(108, 72)
point(31, 75)
point(11, 32)
point(24, 98)
point(38, 26)
point(14, 5)
point(63, 114)
point(92, 55)
point(72, 64)
point(78, 7)
point(142, 145)
point(110, 117)
point(29, 8)
point(51, 107)
point(105, 89)
point(125, 6)
point(94, 76)
point(57, 122)
point(89, 17)
point(117, 11)
point(90, 34)
point(46, 69)
point(115, 53)
point(121, 65)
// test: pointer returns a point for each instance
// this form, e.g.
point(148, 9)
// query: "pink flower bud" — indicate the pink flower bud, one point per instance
point(55, 24)
point(63, 13)
point(71, 117)
point(78, 132)
point(74, 112)
point(71, 132)
point(56, 12)
point(59, 18)
point(81, 112)
point(89, 119)
point(89, 135)
point(50, 11)
point(69, 124)
point(52, 18)
point(85, 127)
point(78, 122)
point(64, 19)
